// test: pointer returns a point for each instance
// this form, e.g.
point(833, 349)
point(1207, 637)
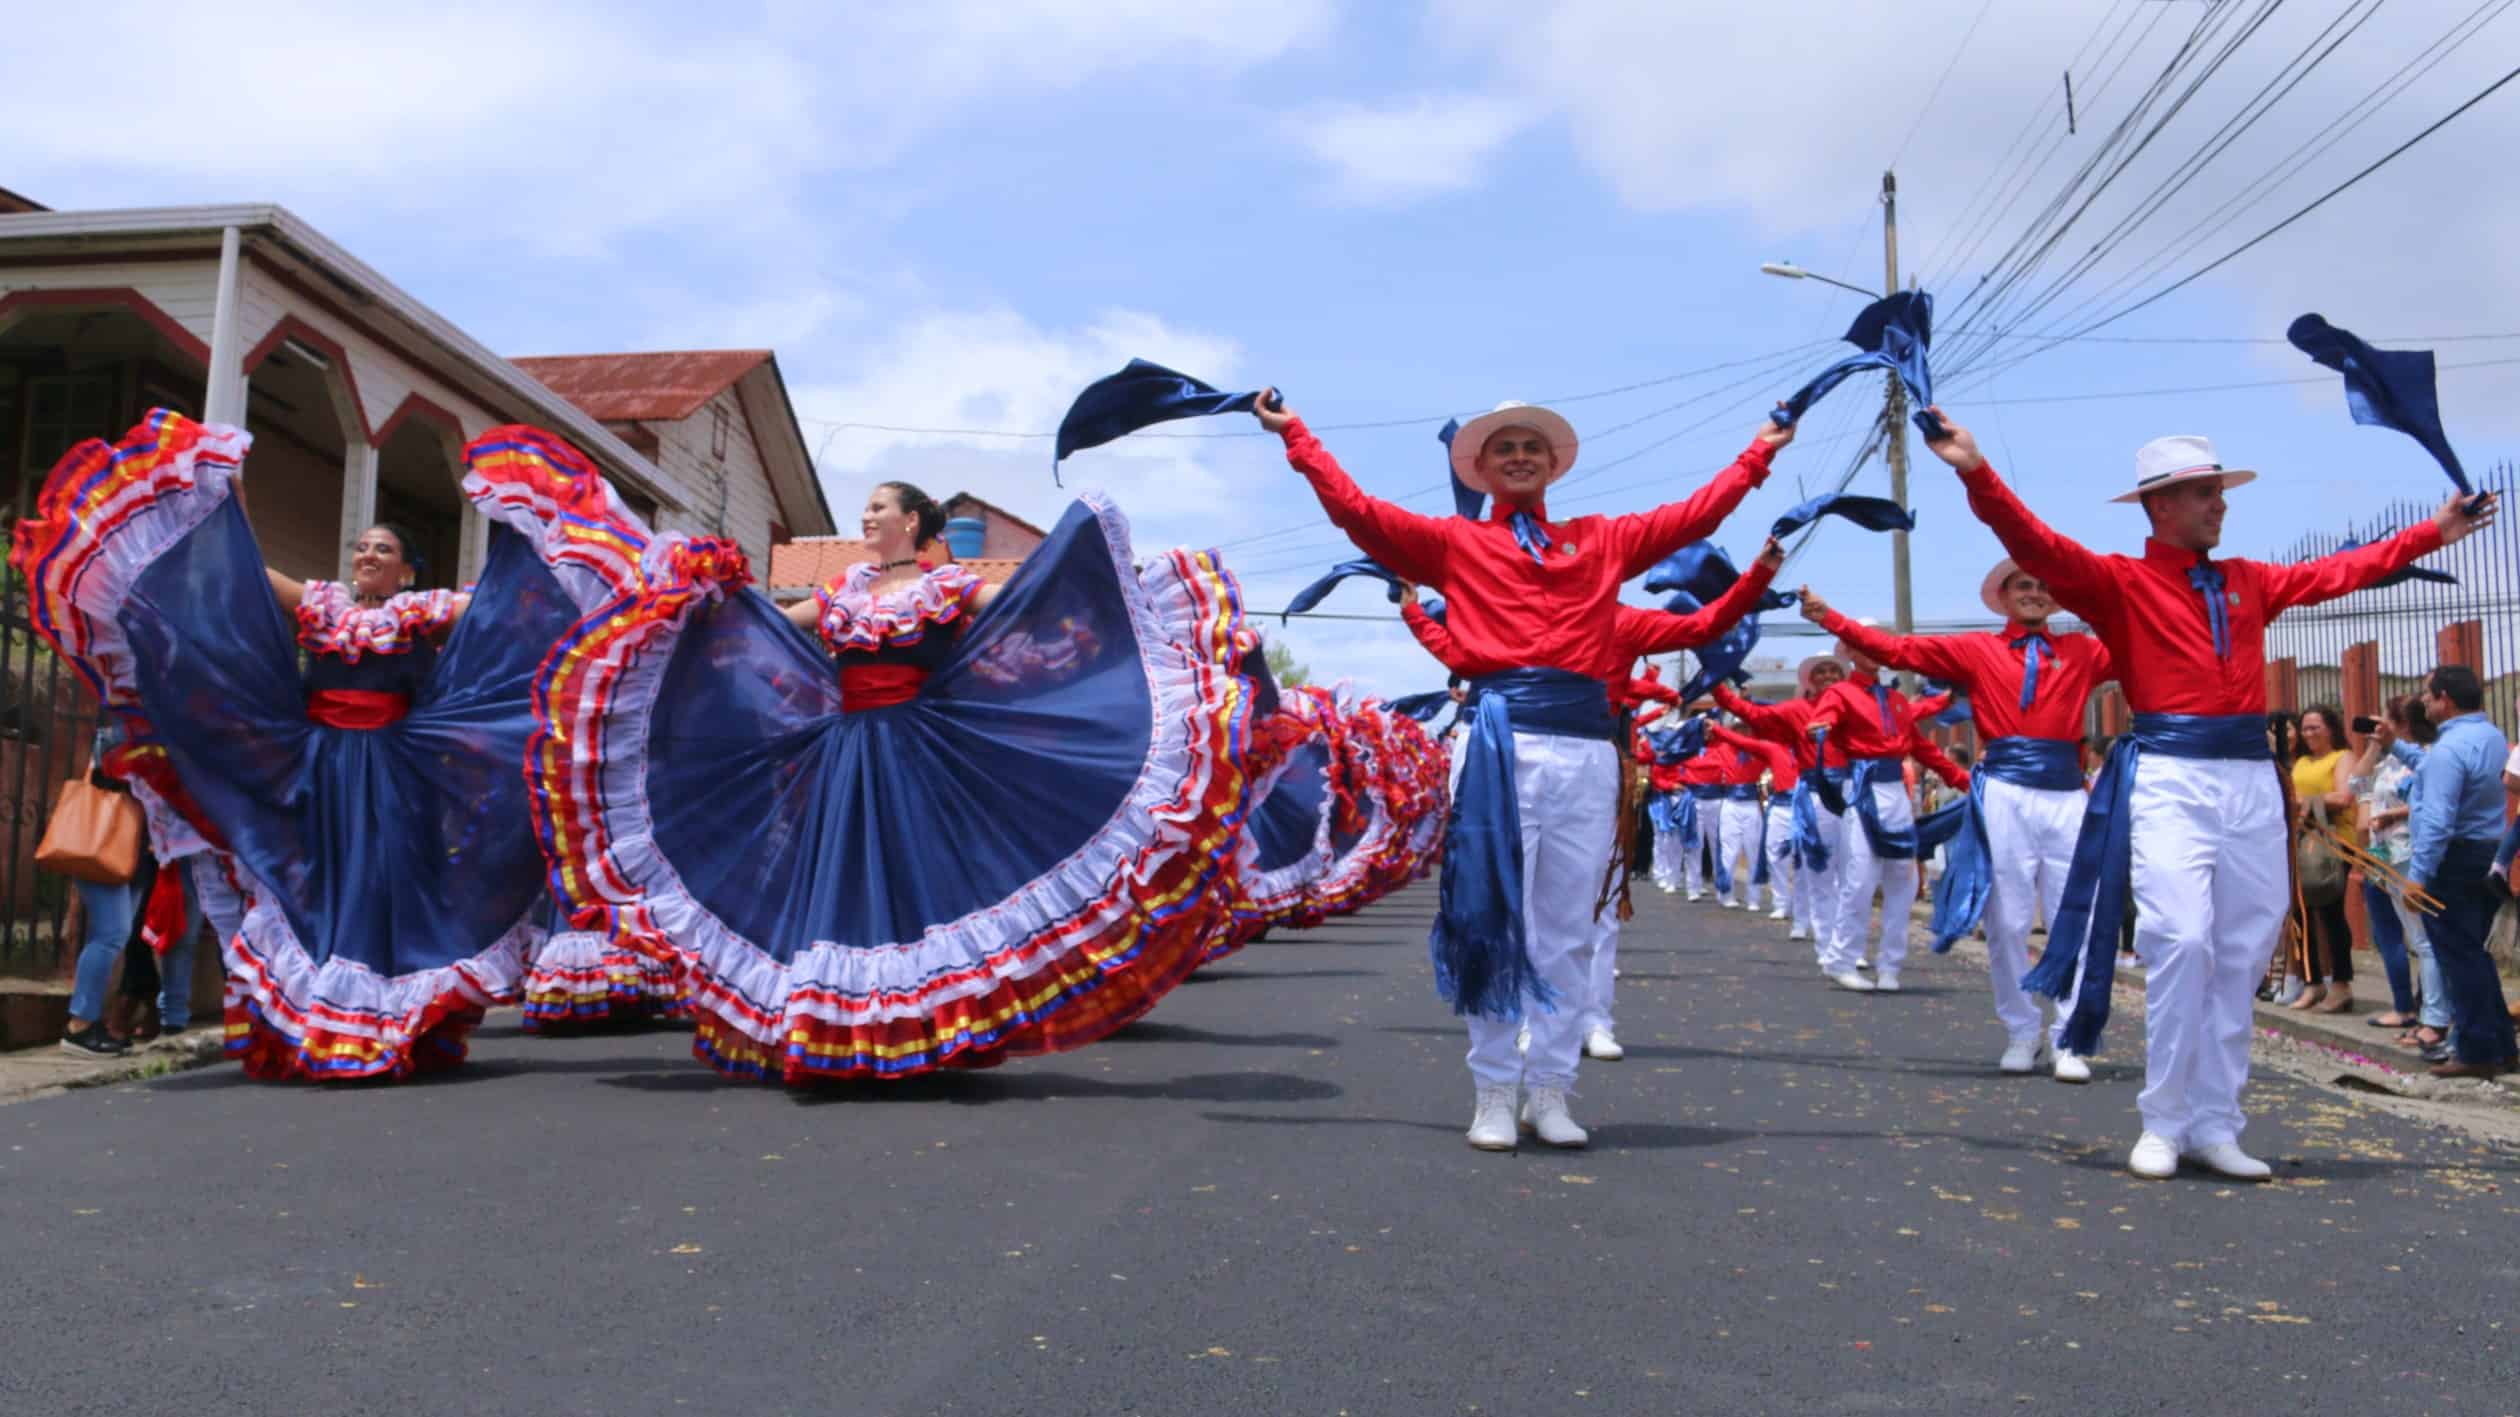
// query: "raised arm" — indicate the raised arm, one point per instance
point(1412, 546)
point(2077, 576)
point(1778, 760)
point(1659, 632)
point(1937, 655)
point(1642, 538)
point(2311, 582)
point(1767, 718)
point(1943, 767)
point(291, 593)
point(1430, 632)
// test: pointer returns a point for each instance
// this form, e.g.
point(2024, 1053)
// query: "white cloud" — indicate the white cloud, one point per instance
point(1415, 148)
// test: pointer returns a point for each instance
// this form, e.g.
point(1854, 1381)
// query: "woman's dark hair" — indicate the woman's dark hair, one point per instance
point(2415, 725)
point(410, 545)
point(929, 514)
point(2334, 718)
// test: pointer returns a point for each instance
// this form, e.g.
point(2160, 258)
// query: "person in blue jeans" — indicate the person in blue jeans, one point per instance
point(2458, 829)
point(111, 915)
point(2383, 774)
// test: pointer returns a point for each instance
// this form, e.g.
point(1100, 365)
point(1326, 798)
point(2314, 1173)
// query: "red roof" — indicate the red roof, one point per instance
point(812, 561)
point(642, 388)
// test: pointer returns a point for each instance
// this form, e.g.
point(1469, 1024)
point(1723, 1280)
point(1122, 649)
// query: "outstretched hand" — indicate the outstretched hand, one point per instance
point(1814, 608)
point(1408, 593)
point(1772, 555)
point(1274, 420)
point(1775, 434)
point(2457, 523)
point(1957, 446)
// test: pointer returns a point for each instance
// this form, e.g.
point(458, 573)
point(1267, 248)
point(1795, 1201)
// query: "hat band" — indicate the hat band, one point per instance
point(2178, 472)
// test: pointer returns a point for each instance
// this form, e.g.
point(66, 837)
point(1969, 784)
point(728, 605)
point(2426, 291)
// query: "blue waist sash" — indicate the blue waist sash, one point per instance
point(1706, 791)
point(2083, 938)
point(1742, 792)
point(1482, 960)
point(1811, 852)
point(2048, 764)
point(1904, 843)
point(1666, 810)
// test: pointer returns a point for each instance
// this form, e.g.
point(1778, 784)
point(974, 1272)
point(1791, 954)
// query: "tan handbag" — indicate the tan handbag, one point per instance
point(93, 836)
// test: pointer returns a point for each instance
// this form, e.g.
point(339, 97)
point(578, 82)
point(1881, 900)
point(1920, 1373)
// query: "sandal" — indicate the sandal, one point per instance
point(2309, 997)
point(2415, 1038)
point(2338, 1001)
point(2388, 1021)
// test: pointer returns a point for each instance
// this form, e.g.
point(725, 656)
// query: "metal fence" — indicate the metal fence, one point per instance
point(47, 721)
point(2376, 644)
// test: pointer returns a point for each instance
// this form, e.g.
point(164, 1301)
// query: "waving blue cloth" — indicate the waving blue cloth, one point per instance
point(1968, 877)
point(1811, 850)
point(1313, 594)
point(2384, 388)
point(1482, 959)
point(1665, 809)
point(1422, 707)
point(2403, 574)
point(1468, 503)
point(1870, 513)
point(1679, 742)
point(2083, 938)
point(1139, 396)
point(1894, 333)
point(1900, 843)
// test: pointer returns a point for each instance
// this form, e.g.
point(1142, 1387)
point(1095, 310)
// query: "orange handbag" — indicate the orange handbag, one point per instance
point(94, 835)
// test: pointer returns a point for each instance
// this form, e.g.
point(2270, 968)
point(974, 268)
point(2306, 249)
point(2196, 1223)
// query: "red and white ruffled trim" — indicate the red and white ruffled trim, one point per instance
point(579, 978)
point(855, 618)
point(331, 621)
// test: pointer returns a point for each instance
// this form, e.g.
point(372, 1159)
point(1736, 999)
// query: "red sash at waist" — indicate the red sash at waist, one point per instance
point(356, 708)
point(874, 686)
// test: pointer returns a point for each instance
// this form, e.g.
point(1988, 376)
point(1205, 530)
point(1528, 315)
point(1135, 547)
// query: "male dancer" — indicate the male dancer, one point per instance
point(1777, 761)
point(1532, 605)
point(2203, 838)
point(1789, 724)
point(1877, 728)
point(2027, 690)
point(1702, 778)
point(1735, 826)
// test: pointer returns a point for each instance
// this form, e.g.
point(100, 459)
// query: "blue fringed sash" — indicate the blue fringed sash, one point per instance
point(1968, 875)
point(1905, 843)
point(2083, 938)
point(1482, 959)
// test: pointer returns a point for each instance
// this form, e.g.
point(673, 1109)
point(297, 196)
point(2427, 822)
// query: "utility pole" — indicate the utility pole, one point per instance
point(1894, 414)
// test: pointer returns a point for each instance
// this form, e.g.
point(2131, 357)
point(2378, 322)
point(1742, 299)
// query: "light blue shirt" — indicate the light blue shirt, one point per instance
point(2462, 796)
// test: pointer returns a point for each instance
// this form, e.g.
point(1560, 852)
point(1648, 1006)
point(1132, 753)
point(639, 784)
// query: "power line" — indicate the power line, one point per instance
point(1945, 77)
point(2214, 388)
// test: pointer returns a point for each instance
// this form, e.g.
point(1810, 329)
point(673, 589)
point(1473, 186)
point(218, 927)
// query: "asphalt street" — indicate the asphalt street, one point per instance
point(1258, 1200)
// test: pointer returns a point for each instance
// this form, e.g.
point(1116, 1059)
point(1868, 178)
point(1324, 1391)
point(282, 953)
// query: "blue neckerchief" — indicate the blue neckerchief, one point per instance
point(2208, 580)
point(1530, 535)
point(1482, 960)
point(1968, 878)
point(2031, 646)
point(1906, 843)
point(1889, 722)
point(2083, 938)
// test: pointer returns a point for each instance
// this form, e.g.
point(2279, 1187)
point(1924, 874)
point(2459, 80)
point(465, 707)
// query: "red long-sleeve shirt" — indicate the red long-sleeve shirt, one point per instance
point(1853, 715)
point(1706, 769)
point(1634, 631)
point(1989, 666)
point(2153, 621)
point(1507, 611)
point(1773, 756)
point(1629, 693)
point(1788, 723)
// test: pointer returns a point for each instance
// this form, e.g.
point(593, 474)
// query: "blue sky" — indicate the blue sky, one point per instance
point(953, 215)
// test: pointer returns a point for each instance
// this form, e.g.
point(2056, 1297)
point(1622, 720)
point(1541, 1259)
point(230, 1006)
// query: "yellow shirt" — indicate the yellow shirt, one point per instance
point(2314, 778)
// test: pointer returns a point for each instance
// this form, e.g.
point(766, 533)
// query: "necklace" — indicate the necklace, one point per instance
point(883, 566)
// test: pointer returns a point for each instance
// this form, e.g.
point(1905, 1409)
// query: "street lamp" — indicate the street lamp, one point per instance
point(1791, 271)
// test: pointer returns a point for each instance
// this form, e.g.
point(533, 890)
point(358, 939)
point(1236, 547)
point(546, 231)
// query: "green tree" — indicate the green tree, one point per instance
point(1282, 665)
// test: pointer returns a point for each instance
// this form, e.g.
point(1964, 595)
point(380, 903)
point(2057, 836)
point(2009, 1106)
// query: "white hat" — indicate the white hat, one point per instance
point(1802, 671)
point(2181, 457)
point(1474, 434)
point(1991, 590)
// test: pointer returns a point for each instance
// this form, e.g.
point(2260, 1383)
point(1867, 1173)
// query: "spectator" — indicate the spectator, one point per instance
point(106, 914)
point(146, 977)
point(2383, 772)
point(2323, 803)
point(2458, 824)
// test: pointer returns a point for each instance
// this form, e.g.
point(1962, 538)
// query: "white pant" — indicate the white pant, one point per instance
point(2210, 888)
point(1738, 846)
point(2030, 835)
point(1780, 852)
point(1816, 892)
point(1693, 857)
point(1667, 854)
point(1860, 873)
point(1601, 975)
point(1567, 791)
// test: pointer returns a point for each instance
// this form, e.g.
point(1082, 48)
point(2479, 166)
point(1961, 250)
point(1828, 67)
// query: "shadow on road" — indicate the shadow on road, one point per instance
point(1185, 1033)
point(1212, 977)
point(976, 1089)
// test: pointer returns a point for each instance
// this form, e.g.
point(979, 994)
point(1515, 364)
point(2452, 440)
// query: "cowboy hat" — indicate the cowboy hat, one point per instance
point(1802, 671)
point(2182, 457)
point(1991, 590)
point(1509, 414)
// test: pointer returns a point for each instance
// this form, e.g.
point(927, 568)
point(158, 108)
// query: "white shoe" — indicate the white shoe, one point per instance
point(2072, 1067)
point(1544, 1114)
point(1671, 890)
point(1864, 964)
point(2154, 1158)
point(1777, 914)
point(1492, 1121)
point(2227, 1158)
point(1730, 904)
point(1522, 1039)
point(2020, 1056)
point(1603, 1044)
point(1798, 933)
point(1849, 979)
point(1886, 984)
point(1696, 896)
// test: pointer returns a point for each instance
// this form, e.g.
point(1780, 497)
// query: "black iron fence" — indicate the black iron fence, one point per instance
point(47, 722)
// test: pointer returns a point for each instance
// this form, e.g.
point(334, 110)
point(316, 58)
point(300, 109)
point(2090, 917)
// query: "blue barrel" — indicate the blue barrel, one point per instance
point(964, 536)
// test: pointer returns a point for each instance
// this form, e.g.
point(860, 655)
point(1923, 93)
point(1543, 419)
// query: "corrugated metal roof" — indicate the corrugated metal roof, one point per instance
point(810, 562)
point(629, 388)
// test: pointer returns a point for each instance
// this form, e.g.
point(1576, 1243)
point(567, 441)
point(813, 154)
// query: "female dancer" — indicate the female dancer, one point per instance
point(951, 825)
point(361, 835)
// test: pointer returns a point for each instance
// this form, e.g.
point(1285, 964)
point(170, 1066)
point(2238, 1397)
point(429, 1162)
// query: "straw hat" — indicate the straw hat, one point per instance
point(2182, 457)
point(1509, 414)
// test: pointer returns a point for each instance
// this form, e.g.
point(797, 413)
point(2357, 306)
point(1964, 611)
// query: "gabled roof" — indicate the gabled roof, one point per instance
point(664, 387)
point(810, 562)
point(12, 202)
